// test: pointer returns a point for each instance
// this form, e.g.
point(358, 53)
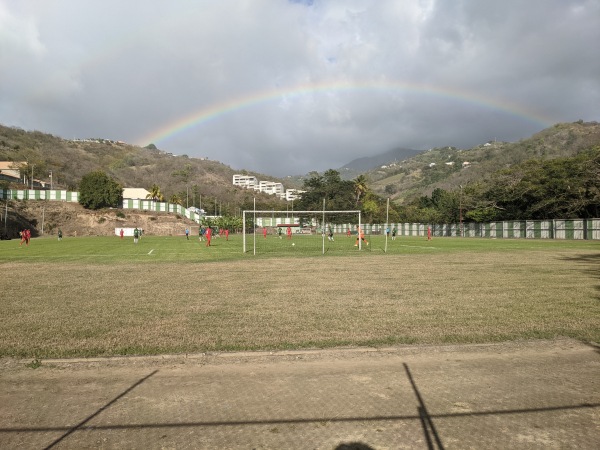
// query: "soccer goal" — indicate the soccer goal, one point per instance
point(300, 231)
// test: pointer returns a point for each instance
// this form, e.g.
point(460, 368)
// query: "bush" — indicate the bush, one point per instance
point(97, 190)
point(120, 214)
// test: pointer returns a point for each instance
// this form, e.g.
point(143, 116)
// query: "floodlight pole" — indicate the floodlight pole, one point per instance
point(323, 227)
point(387, 218)
point(460, 211)
point(244, 230)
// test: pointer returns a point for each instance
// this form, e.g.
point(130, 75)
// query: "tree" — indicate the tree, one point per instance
point(390, 189)
point(185, 175)
point(176, 199)
point(337, 193)
point(360, 187)
point(155, 194)
point(97, 190)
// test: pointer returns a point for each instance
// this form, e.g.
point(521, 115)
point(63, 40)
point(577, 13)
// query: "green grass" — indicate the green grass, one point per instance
point(105, 296)
point(159, 249)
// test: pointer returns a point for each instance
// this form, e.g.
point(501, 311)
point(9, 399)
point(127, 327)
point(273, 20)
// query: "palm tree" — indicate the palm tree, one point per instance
point(360, 186)
point(155, 194)
point(175, 199)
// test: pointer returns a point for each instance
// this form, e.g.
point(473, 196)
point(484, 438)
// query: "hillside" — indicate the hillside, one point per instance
point(46, 217)
point(367, 163)
point(198, 182)
point(207, 184)
point(448, 167)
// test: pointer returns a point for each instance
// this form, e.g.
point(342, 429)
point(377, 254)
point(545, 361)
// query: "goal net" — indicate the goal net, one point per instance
point(307, 232)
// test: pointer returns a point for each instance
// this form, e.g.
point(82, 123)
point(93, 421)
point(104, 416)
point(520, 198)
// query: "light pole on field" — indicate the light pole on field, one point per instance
point(460, 211)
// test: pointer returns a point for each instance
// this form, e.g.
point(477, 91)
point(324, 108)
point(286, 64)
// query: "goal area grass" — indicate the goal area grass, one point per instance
point(103, 296)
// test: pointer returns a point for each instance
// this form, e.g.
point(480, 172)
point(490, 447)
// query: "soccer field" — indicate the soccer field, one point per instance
point(100, 296)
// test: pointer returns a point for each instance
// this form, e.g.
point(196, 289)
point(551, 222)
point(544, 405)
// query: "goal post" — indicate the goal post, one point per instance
point(306, 232)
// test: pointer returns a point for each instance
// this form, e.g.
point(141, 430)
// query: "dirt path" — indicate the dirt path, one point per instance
point(541, 394)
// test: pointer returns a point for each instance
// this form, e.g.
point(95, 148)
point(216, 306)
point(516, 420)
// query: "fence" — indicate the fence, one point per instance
point(73, 197)
point(515, 229)
point(39, 194)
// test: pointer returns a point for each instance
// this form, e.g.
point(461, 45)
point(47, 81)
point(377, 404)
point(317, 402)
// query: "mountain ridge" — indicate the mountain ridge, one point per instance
point(400, 173)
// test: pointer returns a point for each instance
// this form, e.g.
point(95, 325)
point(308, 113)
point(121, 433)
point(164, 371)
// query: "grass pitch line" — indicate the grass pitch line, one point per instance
point(150, 252)
point(420, 246)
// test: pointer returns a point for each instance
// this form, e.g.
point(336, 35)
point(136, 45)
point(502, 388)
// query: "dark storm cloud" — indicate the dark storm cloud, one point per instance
point(285, 87)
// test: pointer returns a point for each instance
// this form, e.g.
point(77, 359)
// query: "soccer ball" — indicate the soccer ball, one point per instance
point(293, 243)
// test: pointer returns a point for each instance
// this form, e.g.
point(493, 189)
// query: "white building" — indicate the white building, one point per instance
point(12, 168)
point(246, 181)
point(139, 193)
point(271, 188)
point(293, 194)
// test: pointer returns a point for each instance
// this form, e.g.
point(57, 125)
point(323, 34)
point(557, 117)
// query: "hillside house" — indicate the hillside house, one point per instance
point(245, 181)
point(136, 193)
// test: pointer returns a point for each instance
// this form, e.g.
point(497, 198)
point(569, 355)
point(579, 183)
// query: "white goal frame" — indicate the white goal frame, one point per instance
point(273, 213)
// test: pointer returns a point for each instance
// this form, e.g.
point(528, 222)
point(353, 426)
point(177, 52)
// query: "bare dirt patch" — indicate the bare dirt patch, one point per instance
point(528, 394)
point(46, 217)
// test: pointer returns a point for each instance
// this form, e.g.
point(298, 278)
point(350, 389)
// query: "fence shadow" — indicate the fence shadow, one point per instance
point(422, 414)
point(103, 408)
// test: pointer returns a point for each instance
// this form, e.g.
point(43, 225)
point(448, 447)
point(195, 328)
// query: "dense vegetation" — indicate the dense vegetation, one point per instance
point(559, 188)
point(330, 192)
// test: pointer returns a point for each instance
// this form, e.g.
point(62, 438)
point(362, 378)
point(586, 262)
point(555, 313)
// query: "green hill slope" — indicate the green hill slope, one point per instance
point(198, 182)
point(448, 167)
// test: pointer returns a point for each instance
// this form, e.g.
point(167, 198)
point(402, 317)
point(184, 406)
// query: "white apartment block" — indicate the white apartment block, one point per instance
point(246, 181)
point(268, 187)
point(271, 188)
point(293, 194)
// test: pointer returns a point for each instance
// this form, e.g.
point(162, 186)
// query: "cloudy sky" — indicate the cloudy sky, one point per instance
point(284, 87)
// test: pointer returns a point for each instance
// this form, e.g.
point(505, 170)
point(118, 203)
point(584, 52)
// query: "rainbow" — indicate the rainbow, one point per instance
point(212, 112)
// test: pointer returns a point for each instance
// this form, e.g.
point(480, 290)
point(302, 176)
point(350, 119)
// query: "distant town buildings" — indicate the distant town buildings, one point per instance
point(265, 186)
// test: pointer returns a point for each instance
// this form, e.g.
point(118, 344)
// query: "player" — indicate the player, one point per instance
point(208, 234)
point(265, 232)
point(226, 234)
point(394, 231)
point(59, 234)
point(121, 233)
point(187, 234)
point(360, 235)
point(289, 232)
point(429, 233)
point(330, 234)
point(136, 235)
